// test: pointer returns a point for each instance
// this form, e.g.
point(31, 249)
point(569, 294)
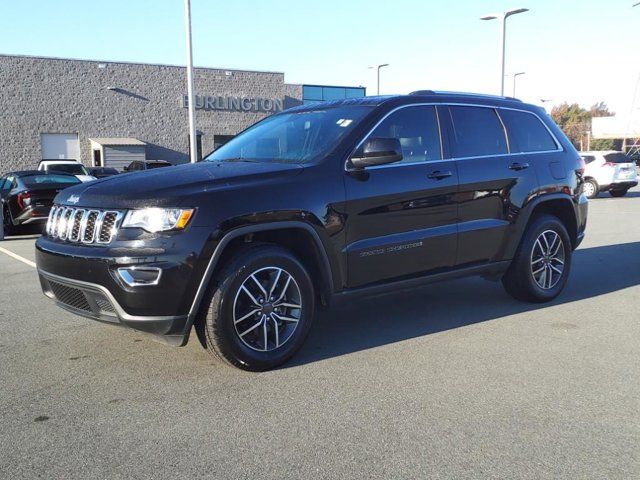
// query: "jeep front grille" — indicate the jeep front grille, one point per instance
point(81, 225)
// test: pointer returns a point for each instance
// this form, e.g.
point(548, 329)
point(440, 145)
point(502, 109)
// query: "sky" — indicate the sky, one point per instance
point(575, 51)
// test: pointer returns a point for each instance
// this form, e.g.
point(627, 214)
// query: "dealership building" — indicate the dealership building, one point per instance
point(111, 113)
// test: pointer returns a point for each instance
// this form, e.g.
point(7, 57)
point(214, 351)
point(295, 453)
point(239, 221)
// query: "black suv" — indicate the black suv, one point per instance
point(317, 204)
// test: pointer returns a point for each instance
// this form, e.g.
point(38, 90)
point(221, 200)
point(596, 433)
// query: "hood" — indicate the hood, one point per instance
point(168, 186)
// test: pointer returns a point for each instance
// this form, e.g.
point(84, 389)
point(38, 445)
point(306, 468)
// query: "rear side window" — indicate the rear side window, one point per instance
point(477, 131)
point(526, 132)
point(617, 157)
point(417, 129)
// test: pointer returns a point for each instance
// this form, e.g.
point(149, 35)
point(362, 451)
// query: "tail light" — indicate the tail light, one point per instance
point(609, 164)
point(24, 199)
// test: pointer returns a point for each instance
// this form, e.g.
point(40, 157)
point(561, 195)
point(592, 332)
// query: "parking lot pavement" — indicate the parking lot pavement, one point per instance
point(452, 381)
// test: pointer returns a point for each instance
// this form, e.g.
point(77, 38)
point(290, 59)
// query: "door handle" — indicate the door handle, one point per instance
point(518, 166)
point(438, 175)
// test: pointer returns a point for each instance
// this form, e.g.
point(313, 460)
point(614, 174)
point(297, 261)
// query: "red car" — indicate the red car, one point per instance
point(26, 197)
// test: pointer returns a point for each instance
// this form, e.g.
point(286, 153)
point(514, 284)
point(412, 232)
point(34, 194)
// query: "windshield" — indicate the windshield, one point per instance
point(617, 157)
point(49, 179)
point(73, 169)
point(297, 137)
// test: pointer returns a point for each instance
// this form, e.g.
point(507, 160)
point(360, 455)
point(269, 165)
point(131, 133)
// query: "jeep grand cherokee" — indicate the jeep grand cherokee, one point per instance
point(315, 205)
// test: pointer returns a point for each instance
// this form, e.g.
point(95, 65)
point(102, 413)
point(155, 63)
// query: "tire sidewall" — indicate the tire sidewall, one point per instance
point(595, 188)
point(223, 324)
point(540, 225)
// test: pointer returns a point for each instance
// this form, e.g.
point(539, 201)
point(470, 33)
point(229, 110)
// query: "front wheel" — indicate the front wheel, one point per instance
point(260, 309)
point(7, 227)
point(540, 268)
point(618, 193)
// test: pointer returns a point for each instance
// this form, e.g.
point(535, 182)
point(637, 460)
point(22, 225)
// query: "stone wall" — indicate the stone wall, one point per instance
point(109, 99)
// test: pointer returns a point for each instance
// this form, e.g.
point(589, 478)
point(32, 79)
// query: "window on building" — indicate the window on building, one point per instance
point(198, 146)
point(318, 93)
point(526, 132)
point(220, 140)
point(477, 131)
point(97, 158)
point(417, 130)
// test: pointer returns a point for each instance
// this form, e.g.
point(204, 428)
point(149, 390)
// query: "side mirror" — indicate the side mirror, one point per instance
point(377, 151)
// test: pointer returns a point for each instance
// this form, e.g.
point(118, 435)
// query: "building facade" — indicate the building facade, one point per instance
point(63, 108)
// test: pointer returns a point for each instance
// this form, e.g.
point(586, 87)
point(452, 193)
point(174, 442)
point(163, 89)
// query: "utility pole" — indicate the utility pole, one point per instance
point(193, 153)
point(515, 75)
point(379, 67)
point(503, 41)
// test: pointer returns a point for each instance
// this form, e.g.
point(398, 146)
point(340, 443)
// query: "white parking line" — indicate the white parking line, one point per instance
point(18, 257)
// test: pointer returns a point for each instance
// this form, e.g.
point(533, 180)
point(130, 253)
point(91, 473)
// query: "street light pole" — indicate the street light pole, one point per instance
point(503, 40)
point(193, 153)
point(379, 67)
point(515, 75)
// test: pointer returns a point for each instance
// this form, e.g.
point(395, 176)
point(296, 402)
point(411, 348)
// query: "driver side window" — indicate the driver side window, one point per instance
point(416, 128)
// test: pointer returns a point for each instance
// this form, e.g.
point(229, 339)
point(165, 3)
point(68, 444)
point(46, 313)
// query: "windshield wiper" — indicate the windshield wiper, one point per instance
point(233, 160)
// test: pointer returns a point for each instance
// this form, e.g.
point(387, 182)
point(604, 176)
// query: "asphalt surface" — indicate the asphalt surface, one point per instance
point(456, 380)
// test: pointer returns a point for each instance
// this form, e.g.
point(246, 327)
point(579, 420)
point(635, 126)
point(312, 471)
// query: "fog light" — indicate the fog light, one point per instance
point(140, 276)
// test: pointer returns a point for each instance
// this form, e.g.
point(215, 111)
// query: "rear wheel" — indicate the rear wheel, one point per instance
point(260, 309)
point(540, 268)
point(618, 193)
point(590, 188)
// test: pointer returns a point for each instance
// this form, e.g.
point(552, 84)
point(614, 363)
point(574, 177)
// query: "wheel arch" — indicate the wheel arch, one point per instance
point(560, 206)
point(301, 238)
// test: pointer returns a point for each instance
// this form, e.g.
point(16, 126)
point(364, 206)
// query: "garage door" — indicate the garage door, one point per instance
point(60, 146)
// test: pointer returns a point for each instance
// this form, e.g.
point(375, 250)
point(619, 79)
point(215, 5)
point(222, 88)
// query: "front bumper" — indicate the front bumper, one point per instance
point(83, 279)
point(96, 302)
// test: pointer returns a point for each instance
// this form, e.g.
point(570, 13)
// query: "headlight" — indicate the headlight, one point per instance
point(158, 219)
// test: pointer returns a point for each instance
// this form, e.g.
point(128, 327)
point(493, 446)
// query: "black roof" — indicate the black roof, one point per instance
point(421, 95)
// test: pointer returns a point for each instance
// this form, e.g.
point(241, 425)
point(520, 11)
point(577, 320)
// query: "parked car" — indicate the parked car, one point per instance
point(70, 167)
point(26, 196)
point(608, 171)
point(317, 205)
point(146, 165)
point(102, 172)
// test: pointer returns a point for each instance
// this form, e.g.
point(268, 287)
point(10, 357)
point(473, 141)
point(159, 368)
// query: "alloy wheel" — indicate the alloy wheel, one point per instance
point(267, 309)
point(547, 259)
point(589, 189)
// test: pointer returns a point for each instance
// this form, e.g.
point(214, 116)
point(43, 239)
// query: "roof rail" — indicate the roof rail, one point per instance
point(462, 94)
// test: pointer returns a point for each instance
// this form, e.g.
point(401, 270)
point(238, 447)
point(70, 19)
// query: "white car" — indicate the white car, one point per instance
point(608, 171)
point(70, 167)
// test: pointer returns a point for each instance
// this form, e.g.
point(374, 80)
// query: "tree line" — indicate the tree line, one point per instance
point(575, 122)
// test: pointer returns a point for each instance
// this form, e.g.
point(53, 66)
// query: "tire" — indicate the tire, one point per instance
point(8, 228)
point(618, 193)
point(521, 280)
point(590, 188)
point(225, 327)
